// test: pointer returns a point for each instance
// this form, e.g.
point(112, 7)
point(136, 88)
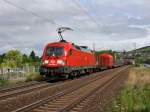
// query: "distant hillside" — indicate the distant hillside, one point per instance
point(143, 49)
point(142, 55)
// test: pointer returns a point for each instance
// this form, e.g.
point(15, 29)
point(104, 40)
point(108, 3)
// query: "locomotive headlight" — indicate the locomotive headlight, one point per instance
point(45, 62)
point(61, 62)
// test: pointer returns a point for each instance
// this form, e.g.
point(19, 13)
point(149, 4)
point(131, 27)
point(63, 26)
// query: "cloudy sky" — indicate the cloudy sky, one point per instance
point(109, 24)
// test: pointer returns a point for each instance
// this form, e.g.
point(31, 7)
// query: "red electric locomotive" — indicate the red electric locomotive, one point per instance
point(64, 59)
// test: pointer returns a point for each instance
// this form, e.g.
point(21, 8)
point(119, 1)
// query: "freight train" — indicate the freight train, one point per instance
point(66, 60)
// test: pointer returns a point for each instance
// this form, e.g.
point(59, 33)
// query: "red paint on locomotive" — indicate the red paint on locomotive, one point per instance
point(106, 60)
point(64, 58)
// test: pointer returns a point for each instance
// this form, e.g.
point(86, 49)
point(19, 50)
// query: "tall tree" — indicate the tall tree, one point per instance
point(1, 58)
point(32, 55)
point(25, 59)
point(13, 58)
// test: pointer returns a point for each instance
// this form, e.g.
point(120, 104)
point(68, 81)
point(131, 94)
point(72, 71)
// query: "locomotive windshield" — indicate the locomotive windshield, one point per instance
point(54, 51)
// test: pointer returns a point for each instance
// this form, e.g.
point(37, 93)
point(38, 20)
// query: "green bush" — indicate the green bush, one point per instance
point(34, 77)
point(3, 81)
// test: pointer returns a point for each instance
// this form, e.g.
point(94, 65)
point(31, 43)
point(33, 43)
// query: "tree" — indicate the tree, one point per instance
point(25, 59)
point(32, 55)
point(34, 58)
point(12, 58)
point(1, 58)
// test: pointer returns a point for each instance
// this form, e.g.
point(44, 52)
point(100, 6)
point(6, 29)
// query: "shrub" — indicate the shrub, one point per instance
point(3, 81)
point(34, 77)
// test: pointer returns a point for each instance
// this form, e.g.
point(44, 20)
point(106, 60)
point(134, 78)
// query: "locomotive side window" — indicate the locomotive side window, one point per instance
point(54, 51)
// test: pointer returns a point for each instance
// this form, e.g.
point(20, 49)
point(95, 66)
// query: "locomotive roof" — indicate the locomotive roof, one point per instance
point(82, 48)
point(62, 43)
point(106, 55)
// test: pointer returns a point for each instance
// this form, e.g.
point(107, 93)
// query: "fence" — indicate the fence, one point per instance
point(17, 73)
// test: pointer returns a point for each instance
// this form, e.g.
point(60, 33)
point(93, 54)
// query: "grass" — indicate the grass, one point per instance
point(135, 96)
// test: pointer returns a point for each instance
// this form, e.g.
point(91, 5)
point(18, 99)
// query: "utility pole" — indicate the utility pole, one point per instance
point(94, 51)
point(94, 47)
point(134, 45)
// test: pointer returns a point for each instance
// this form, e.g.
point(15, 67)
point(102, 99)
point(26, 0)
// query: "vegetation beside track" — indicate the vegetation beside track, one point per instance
point(34, 77)
point(16, 67)
point(135, 96)
point(3, 82)
point(29, 77)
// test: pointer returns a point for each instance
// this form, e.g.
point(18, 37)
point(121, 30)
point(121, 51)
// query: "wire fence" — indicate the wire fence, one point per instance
point(17, 73)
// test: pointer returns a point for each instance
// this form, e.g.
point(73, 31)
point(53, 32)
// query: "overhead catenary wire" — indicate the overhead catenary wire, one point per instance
point(39, 16)
point(104, 25)
point(31, 12)
point(81, 33)
point(52, 21)
point(86, 12)
point(78, 4)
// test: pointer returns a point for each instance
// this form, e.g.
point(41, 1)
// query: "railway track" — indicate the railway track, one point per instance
point(18, 90)
point(73, 98)
point(18, 87)
point(83, 101)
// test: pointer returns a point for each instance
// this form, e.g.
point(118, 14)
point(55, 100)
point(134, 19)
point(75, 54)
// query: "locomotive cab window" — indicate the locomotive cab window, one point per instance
point(54, 51)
